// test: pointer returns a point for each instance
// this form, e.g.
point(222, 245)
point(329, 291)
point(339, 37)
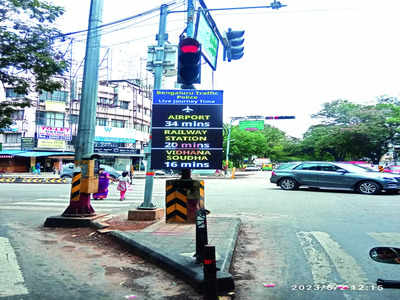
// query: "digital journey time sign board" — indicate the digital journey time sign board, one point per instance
point(187, 129)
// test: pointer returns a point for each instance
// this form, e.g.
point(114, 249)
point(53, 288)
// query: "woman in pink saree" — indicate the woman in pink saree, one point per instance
point(104, 182)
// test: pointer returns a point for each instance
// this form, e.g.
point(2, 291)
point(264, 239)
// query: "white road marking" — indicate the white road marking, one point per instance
point(345, 264)
point(319, 262)
point(37, 208)
point(387, 238)
point(11, 279)
point(108, 200)
point(121, 203)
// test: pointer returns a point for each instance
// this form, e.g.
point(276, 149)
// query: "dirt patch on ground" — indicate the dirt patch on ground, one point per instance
point(123, 224)
point(99, 256)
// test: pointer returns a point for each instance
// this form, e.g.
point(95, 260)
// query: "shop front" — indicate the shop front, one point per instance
point(10, 163)
point(116, 147)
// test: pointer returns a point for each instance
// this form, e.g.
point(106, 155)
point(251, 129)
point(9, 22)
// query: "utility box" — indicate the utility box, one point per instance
point(89, 181)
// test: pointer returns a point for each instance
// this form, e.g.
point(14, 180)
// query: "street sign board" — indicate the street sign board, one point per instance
point(208, 39)
point(27, 143)
point(187, 129)
point(115, 148)
point(251, 125)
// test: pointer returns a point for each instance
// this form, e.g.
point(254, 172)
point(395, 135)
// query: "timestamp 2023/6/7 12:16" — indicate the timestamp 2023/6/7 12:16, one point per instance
point(335, 287)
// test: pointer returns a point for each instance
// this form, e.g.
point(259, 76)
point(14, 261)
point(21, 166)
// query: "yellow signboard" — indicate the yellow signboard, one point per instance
point(55, 106)
point(51, 144)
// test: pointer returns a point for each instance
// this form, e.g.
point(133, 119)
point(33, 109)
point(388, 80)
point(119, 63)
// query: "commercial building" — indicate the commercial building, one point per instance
point(46, 131)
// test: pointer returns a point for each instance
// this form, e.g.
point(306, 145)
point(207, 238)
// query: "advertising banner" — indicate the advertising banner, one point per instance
point(54, 133)
point(187, 129)
point(57, 106)
point(115, 148)
point(51, 144)
point(114, 134)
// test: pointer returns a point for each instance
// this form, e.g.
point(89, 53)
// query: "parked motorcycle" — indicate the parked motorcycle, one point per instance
point(387, 255)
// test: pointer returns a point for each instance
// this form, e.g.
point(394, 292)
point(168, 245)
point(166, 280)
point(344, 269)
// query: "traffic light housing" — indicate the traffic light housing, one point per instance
point(235, 49)
point(189, 61)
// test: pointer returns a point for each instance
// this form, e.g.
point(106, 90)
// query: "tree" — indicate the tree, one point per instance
point(28, 59)
point(352, 131)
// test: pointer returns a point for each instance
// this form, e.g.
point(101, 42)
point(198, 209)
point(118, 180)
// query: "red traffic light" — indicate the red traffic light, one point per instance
point(189, 45)
point(189, 61)
point(189, 48)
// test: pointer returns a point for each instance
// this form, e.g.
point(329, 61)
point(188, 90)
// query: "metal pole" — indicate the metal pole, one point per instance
point(190, 17)
point(227, 145)
point(161, 38)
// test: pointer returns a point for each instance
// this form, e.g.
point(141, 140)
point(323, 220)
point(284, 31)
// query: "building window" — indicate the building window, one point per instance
point(118, 123)
point(41, 118)
point(17, 115)
point(54, 119)
point(101, 121)
point(13, 138)
point(55, 96)
point(74, 119)
point(51, 119)
point(104, 101)
point(10, 93)
point(124, 104)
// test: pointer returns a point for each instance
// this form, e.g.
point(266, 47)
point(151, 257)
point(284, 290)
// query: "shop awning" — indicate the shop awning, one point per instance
point(38, 154)
point(10, 152)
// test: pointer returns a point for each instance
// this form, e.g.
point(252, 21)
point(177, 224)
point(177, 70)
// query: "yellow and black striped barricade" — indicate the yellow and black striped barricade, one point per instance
point(183, 198)
point(55, 180)
point(76, 186)
point(7, 179)
point(32, 180)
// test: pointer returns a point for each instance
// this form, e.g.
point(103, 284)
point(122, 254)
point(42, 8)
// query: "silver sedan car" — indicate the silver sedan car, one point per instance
point(335, 176)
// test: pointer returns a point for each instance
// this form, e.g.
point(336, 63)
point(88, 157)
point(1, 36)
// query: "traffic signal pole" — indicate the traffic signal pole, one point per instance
point(227, 145)
point(158, 71)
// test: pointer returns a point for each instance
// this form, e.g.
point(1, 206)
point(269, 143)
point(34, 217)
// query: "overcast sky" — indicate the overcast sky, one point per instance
point(296, 58)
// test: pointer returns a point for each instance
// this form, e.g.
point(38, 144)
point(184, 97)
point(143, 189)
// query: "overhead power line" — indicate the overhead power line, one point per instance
point(114, 22)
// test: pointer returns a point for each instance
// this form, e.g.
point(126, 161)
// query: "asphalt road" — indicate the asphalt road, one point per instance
point(304, 242)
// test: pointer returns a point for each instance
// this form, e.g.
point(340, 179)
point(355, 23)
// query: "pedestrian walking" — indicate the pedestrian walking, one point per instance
point(104, 182)
point(38, 168)
point(123, 185)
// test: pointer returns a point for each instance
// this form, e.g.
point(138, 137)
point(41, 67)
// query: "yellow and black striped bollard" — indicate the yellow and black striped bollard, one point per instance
point(176, 204)
point(76, 186)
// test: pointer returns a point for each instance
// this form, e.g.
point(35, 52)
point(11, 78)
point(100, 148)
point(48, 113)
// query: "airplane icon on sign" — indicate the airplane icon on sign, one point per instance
point(187, 109)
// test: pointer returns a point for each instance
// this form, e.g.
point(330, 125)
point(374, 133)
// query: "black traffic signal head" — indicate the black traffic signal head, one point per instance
point(235, 48)
point(189, 61)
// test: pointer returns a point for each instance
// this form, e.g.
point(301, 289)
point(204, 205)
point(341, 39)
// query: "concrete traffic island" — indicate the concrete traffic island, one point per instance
point(172, 247)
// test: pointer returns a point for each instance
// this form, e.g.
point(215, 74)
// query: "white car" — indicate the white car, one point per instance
point(252, 168)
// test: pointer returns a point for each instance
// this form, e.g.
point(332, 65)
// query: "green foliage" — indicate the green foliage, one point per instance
point(28, 60)
point(351, 131)
point(347, 131)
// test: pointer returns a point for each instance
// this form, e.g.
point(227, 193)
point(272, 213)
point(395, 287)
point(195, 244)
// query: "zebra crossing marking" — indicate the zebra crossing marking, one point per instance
point(388, 238)
point(44, 208)
point(11, 278)
point(319, 261)
point(345, 265)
